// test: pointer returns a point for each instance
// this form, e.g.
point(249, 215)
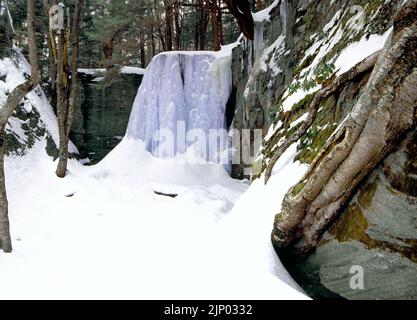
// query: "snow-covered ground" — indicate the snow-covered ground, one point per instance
point(102, 232)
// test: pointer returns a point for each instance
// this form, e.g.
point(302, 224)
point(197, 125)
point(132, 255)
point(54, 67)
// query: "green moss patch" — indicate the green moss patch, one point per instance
point(352, 225)
point(297, 189)
point(326, 122)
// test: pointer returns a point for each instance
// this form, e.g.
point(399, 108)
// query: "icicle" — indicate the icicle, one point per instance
point(258, 43)
point(283, 13)
point(250, 57)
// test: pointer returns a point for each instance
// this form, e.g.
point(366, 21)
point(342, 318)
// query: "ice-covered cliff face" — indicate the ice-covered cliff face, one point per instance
point(182, 102)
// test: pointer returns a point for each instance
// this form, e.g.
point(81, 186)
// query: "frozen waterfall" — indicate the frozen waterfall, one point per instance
point(182, 103)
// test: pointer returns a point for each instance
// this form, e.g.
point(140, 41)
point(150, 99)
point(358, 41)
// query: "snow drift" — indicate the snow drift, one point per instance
point(190, 247)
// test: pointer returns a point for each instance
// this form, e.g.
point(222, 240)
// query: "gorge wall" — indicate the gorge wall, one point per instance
point(300, 47)
point(103, 111)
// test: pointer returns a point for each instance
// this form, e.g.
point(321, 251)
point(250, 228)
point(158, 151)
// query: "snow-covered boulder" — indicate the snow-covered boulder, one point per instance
point(34, 120)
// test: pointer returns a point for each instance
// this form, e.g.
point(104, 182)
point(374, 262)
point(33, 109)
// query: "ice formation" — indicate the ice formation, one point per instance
point(181, 103)
point(258, 42)
point(284, 16)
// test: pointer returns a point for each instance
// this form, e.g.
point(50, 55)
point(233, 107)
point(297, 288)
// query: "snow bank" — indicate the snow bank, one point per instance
point(249, 225)
point(358, 51)
point(103, 233)
point(264, 15)
point(131, 160)
point(132, 70)
point(92, 72)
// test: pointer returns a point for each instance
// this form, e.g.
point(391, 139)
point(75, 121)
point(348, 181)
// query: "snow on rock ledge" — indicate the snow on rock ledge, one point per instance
point(34, 120)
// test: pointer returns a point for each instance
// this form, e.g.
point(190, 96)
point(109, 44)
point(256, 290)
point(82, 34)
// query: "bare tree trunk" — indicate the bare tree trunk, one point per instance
point(384, 114)
point(74, 66)
point(107, 47)
point(168, 25)
point(12, 102)
point(215, 25)
point(153, 41)
point(220, 18)
point(52, 70)
point(178, 28)
point(196, 33)
point(142, 53)
point(241, 10)
point(62, 105)
point(52, 55)
point(158, 24)
point(203, 29)
point(66, 109)
point(5, 239)
point(260, 5)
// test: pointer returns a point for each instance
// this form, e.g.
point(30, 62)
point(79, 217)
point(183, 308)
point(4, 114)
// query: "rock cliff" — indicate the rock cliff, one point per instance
point(301, 46)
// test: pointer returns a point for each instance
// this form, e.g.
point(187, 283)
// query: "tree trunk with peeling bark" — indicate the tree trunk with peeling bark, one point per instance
point(6, 111)
point(66, 106)
point(384, 114)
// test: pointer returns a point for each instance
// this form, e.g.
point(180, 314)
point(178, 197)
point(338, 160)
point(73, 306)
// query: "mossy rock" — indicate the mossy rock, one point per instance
point(33, 129)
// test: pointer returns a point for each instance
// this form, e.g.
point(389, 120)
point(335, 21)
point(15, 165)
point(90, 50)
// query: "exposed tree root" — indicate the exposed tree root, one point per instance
point(384, 114)
point(359, 69)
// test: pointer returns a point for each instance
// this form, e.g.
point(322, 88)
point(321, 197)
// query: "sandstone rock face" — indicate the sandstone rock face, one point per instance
point(102, 114)
point(378, 229)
